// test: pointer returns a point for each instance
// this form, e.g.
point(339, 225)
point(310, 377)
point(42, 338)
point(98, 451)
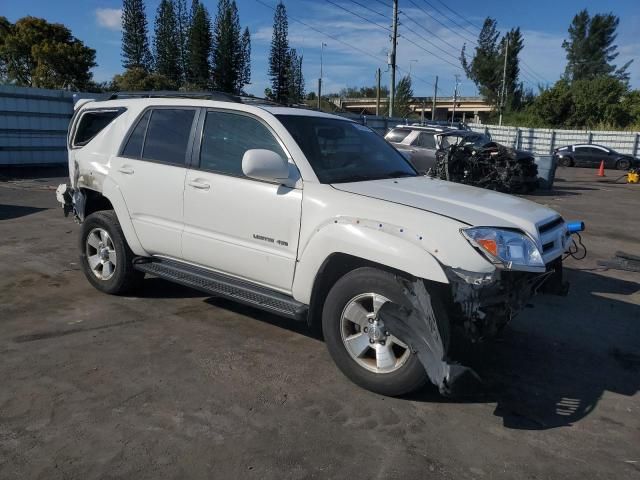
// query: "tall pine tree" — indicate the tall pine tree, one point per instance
point(227, 58)
point(403, 97)
point(135, 41)
point(514, 88)
point(590, 48)
point(245, 75)
point(486, 66)
point(182, 30)
point(279, 58)
point(199, 45)
point(166, 44)
point(296, 79)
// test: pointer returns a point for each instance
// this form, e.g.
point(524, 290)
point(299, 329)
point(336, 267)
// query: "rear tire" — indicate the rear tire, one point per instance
point(105, 256)
point(371, 369)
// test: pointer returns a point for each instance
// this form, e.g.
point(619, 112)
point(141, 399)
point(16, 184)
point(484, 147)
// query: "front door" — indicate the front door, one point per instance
point(233, 224)
point(150, 172)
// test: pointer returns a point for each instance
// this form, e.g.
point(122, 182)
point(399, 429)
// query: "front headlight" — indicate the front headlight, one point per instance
point(506, 247)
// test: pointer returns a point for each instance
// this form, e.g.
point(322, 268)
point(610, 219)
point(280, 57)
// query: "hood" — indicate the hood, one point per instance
point(471, 205)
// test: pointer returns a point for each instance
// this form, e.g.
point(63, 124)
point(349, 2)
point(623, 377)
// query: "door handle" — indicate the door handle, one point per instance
point(199, 185)
point(126, 170)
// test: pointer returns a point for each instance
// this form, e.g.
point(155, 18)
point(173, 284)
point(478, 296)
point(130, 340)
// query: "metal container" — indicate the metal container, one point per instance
point(546, 170)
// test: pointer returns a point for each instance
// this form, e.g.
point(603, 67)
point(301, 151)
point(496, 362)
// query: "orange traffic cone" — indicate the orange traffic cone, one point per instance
point(601, 169)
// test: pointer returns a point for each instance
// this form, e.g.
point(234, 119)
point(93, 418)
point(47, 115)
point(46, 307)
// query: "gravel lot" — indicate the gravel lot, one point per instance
point(174, 384)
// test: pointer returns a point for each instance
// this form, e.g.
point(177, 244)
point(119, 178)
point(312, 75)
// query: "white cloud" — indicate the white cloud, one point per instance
point(109, 18)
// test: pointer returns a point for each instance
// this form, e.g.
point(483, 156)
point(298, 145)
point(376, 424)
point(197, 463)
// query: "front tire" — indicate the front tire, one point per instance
point(565, 162)
point(105, 256)
point(357, 340)
point(623, 164)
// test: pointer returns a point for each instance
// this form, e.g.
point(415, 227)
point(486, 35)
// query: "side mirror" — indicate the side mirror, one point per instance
point(265, 165)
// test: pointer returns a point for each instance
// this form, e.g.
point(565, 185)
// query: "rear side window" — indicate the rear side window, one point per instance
point(398, 134)
point(168, 135)
point(92, 123)
point(134, 144)
point(161, 135)
point(425, 140)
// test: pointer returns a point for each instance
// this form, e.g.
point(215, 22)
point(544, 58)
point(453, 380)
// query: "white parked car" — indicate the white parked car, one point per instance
point(307, 215)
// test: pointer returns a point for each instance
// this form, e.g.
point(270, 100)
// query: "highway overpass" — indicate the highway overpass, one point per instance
point(470, 109)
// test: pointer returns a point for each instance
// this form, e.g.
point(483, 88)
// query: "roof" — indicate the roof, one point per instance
point(201, 99)
point(301, 112)
point(426, 128)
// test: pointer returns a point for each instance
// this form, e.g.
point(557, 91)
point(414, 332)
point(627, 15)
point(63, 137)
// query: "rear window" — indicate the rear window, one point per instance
point(92, 123)
point(397, 135)
point(168, 135)
point(161, 135)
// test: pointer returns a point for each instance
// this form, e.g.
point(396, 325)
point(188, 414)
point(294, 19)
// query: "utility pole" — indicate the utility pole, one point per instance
point(392, 57)
point(455, 99)
point(504, 81)
point(435, 98)
point(378, 92)
point(320, 79)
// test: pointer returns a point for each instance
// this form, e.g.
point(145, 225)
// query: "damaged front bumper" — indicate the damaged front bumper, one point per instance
point(483, 303)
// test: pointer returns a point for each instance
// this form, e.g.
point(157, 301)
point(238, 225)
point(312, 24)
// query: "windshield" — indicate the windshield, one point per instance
point(342, 151)
point(476, 139)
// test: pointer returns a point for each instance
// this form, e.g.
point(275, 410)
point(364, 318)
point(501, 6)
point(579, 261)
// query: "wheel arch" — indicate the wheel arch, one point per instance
point(334, 267)
point(111, 198)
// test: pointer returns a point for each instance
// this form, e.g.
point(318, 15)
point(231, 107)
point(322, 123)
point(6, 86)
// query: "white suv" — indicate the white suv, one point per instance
point(307, 215)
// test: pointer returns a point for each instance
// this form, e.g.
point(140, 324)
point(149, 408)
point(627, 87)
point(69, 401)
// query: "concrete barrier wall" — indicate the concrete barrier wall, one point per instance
point(33, 125)
point(544, 140)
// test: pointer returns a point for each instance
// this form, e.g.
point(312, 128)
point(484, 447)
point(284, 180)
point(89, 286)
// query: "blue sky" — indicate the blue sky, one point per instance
point(427, 27)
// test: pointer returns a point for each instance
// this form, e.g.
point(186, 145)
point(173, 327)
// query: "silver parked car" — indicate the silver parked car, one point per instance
point(421, 143)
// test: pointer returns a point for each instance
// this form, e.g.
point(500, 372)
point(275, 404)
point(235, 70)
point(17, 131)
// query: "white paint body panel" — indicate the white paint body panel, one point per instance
point(409, 224)
point(242, 227)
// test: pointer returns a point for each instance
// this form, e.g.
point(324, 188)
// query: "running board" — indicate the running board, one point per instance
point(221, 285)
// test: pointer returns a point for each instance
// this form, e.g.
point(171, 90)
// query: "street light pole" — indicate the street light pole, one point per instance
point(322, 45)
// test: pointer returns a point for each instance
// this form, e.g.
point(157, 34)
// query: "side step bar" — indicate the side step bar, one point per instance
point(221, 285)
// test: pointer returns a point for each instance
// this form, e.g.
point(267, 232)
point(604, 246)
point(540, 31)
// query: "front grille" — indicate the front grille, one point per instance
point(551, 225)
point(547, 246)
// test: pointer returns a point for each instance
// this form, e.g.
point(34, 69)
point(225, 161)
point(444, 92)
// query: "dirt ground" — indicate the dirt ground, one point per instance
point(174, 384)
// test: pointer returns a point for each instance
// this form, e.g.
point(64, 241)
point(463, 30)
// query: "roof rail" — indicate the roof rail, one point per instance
point(212, 95)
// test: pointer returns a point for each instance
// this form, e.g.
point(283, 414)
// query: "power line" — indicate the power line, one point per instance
point(369, 9)
point(532, 71)
point(339, 40)
point(456, 13)
point(389, 30)
point(359, 16)
point(428, 51)
point(441, 23)
point(333, 37)
point(429, 41)
point(449, 18)
point(383, 3)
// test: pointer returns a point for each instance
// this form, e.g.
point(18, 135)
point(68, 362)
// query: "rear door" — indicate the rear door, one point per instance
point(589, 156)
point(424, 156)
point(150, 171)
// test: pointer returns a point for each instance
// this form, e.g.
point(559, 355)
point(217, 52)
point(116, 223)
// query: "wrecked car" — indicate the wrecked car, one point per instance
point(306, 215)
point(472, 159)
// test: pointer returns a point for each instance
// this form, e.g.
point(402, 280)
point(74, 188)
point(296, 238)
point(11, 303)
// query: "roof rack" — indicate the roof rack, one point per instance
point(212, 95)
